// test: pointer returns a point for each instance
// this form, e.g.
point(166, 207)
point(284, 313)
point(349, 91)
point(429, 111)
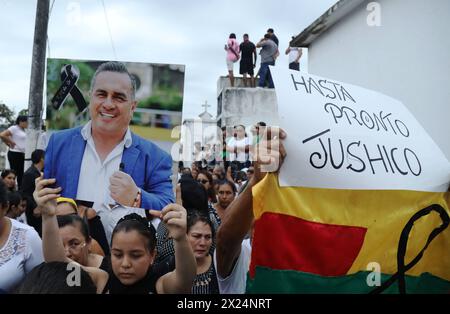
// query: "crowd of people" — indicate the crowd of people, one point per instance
point(96, 211)
point(246, 53)
point(233, 149)
point(140, 258)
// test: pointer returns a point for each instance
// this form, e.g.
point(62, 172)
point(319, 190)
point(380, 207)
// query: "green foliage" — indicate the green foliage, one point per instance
point(164, 98)
point(54, 82)
point(23, 112)
point(6, 115)
point(62, 119)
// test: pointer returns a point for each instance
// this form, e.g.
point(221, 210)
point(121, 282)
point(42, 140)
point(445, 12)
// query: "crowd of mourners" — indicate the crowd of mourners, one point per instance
point(97, 212)
point(46, 238)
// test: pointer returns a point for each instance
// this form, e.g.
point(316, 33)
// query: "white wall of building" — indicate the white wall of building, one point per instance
point(248, 106)
point(407, 57)
point(198, 130)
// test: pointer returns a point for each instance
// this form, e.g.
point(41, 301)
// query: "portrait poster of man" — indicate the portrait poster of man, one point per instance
point(110, 124)
point(159, 96)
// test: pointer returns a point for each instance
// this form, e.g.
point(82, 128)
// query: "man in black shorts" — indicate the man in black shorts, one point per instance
point(247, 64)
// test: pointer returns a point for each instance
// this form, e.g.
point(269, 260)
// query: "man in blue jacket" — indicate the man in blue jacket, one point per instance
point(103, 161)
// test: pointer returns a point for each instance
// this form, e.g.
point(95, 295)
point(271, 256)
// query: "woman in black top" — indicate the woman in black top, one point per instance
point(131, 267)
point(193, 197)
point(201, 235)
point(132, 248)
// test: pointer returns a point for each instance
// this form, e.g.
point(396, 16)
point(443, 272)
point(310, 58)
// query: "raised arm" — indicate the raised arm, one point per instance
point(45, 198)
point(52, 244)
point(237, 222)
point(239, 215)
point(180, 280)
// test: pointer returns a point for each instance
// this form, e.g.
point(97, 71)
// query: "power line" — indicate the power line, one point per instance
point(109, 30)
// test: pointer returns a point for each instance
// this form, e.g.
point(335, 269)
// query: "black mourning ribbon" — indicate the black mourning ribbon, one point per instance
point(403, 242)
point(69, 78)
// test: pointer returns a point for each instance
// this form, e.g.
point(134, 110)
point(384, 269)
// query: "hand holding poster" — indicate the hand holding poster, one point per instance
point(347, 137)
point(115, 153)
point(361, 206)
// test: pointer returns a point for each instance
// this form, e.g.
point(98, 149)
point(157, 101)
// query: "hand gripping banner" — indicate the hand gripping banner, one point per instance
point(69, 78)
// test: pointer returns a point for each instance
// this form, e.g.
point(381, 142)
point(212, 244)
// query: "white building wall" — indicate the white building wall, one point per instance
point(197, 130)
point(246, 106)
point(407, 57)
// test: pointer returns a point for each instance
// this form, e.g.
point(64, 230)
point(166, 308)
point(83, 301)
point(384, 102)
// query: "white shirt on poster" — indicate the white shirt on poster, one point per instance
point(93, 184)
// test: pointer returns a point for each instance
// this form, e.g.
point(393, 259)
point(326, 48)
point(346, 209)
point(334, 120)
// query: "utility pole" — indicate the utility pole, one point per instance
point(35, 97)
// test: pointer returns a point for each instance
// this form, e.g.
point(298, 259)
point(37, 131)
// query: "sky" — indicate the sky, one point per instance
point(192, 33)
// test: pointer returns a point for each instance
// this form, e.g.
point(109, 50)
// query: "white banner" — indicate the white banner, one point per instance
point(347, 137)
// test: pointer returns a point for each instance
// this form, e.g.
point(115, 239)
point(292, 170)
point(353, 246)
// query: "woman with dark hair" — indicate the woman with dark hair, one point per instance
point(226, 193)
point(73, 231)
point(67, 233)
point(15, 138)
point(132, 248)
point(99, 244)
point(193, 197)
point(201, 234)
point(9, 178)
point(131, 268)
point(206, 180)
point(17, 205)
point(20, 247)
point(77, 242)
point(133, 245)
point(194, 170)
